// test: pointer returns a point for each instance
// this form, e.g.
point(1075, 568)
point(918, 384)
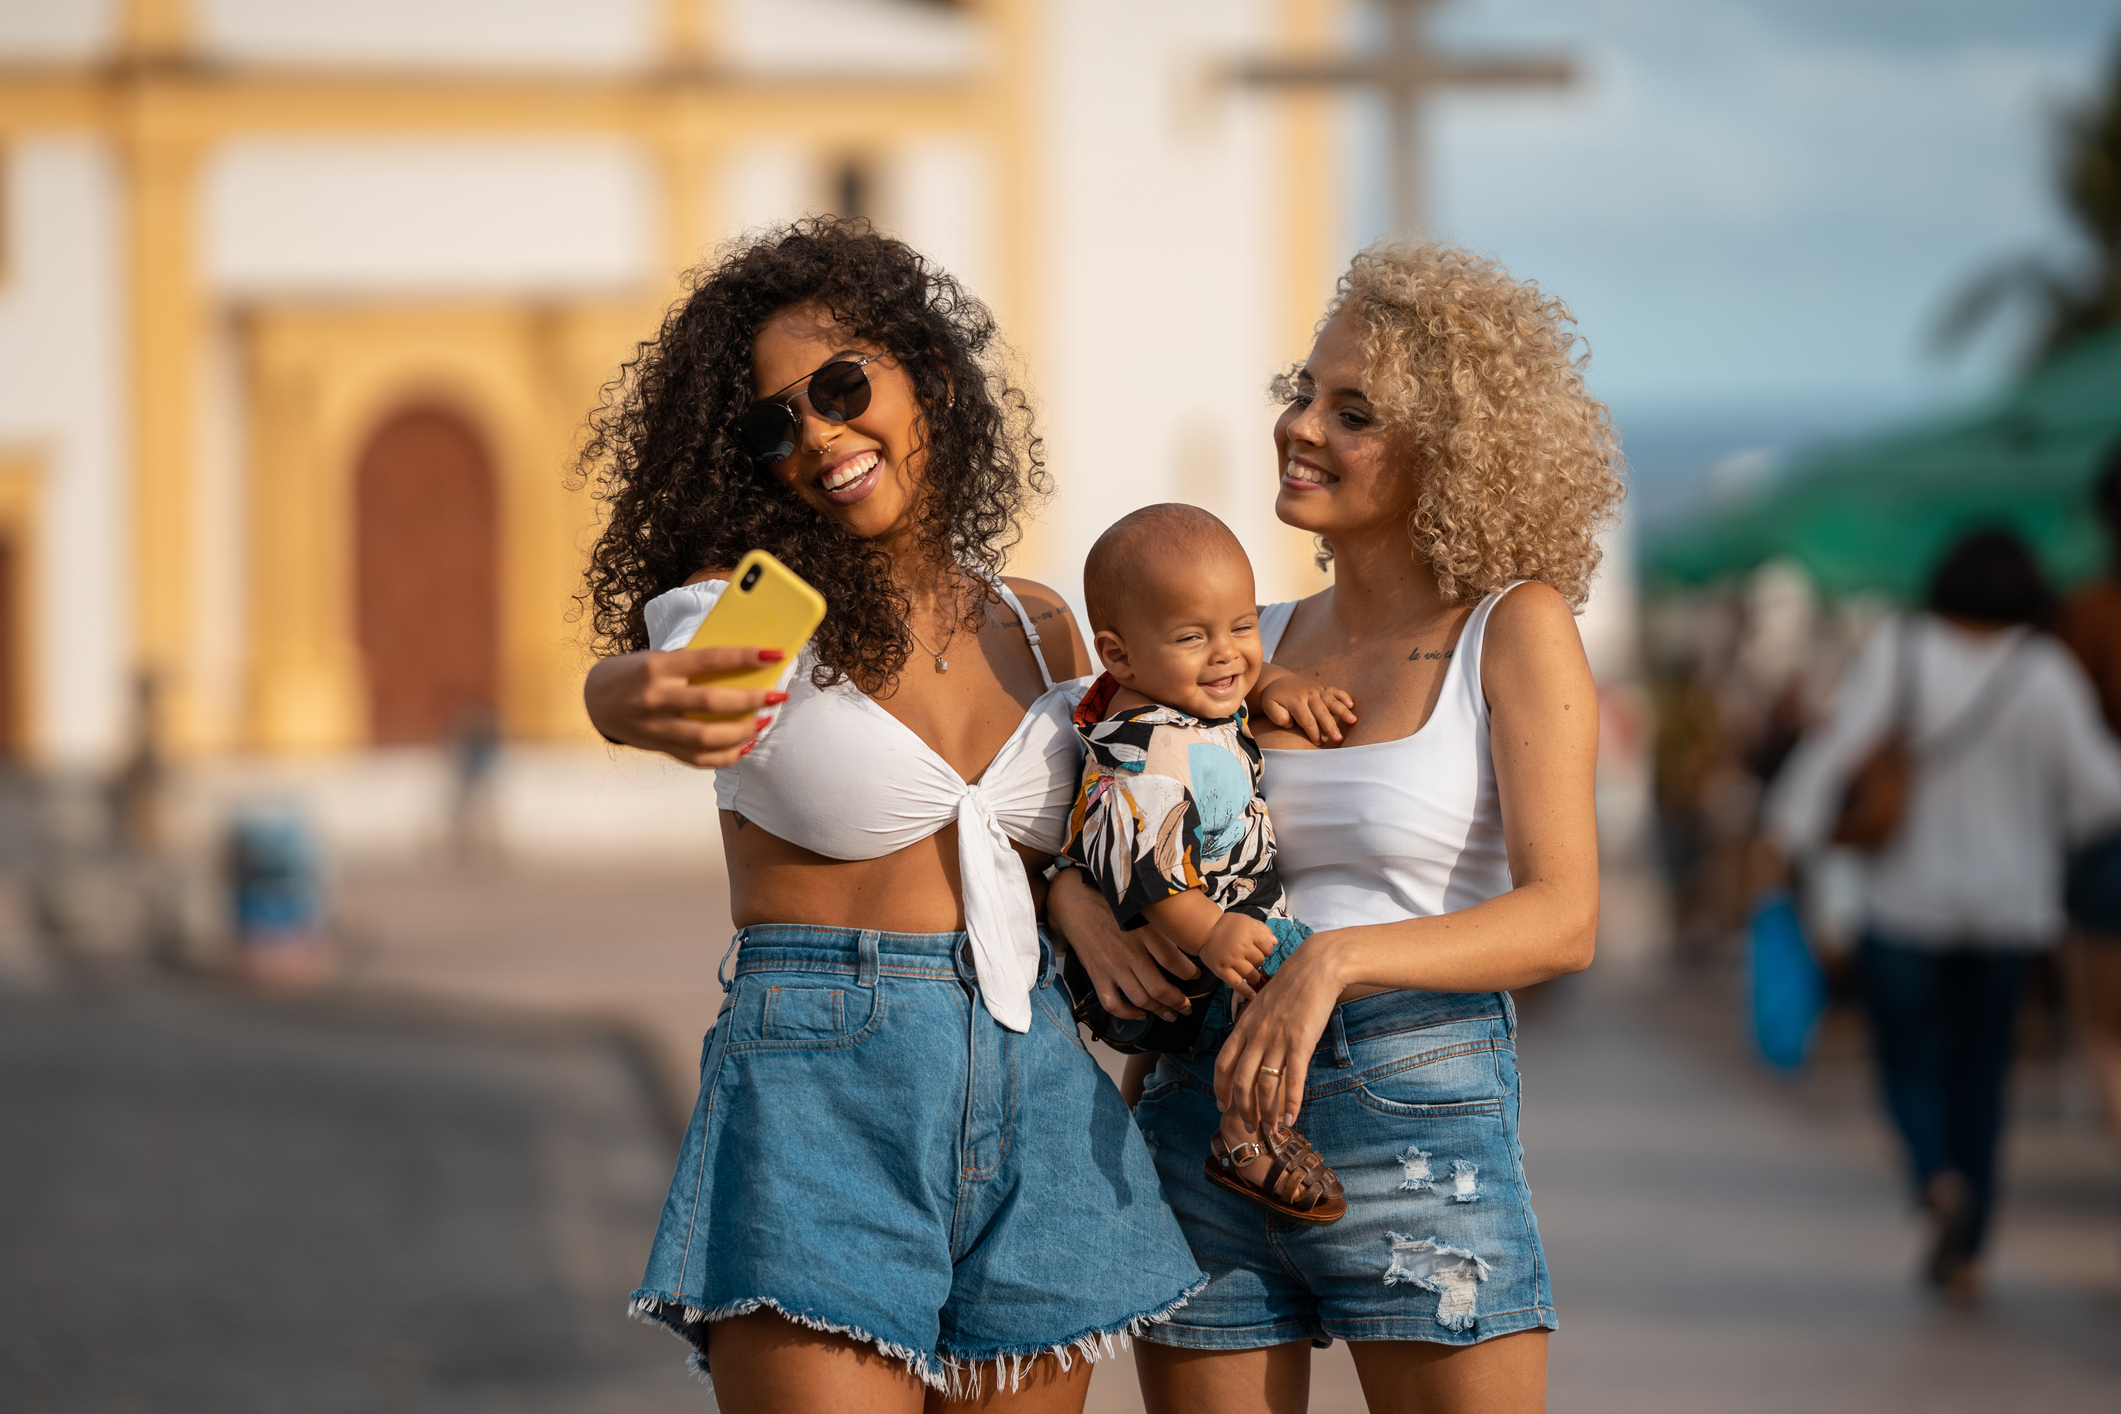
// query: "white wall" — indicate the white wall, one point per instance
point(57, 29)
point(584, 35)
point(1610, 621)
point(1161, 278)
point(549, 804)
point(765, 181)
point(937, 194)
point(62, 394)
point(493, 216)
point(892, 37)
point(477, 34)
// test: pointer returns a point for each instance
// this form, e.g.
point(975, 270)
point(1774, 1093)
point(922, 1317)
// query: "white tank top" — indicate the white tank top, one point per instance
point(1391, 830)
point(837, 775)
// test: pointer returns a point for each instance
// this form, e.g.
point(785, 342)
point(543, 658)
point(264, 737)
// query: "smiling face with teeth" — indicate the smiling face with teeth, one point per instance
point(1172, 602)
point(1342, 469)
point(1190, 635)
point(867, 472)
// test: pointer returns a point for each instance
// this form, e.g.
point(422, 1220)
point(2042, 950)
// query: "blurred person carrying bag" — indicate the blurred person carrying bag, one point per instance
point(1875, 800)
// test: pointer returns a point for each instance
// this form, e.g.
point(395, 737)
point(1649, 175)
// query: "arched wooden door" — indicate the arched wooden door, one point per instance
point(427, 591)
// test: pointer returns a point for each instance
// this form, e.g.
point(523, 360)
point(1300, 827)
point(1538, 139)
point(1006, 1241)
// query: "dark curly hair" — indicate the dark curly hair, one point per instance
point(680, 494)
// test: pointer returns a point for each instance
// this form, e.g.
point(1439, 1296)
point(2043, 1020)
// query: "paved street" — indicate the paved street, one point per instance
point(635, 950)
point(215, 1205)
point(432, 1190)
point(1723, 1242)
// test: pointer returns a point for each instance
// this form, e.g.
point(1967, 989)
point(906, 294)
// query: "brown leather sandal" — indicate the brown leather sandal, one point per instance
point(1299, 1186)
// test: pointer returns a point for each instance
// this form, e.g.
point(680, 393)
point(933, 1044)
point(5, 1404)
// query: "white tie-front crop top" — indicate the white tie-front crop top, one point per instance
point(1390, 830)
point(837, 775)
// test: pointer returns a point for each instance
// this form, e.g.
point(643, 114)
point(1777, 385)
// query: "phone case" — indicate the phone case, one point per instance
point(767, 605)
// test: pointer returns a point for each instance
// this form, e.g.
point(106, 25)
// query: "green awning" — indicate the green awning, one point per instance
point(1875, 515)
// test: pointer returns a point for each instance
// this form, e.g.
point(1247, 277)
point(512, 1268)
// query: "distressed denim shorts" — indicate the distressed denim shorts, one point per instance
point(873, 1154)
point(1412, 1100)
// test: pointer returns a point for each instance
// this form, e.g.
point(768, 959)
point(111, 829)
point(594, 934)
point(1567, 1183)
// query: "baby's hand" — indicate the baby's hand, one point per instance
point(1316, 711)
point(1236, 946)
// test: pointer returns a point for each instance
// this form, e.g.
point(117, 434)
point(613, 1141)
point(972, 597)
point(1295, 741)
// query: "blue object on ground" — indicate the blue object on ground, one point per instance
point(1788, 988)
point(277, 884)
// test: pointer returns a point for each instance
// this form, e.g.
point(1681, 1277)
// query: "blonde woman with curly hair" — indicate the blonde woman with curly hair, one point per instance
point(1440, 443)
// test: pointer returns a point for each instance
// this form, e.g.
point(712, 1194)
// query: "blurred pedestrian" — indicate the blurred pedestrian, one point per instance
point(2002, 764)
point(2091, 626)
point(140, 791)
point(475, 755)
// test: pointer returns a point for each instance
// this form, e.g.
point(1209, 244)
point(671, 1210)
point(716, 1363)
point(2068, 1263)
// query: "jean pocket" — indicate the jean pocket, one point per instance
point(1465, 1076)
point(1051, 1001)
point(1442, 1109)
point(797, 1012)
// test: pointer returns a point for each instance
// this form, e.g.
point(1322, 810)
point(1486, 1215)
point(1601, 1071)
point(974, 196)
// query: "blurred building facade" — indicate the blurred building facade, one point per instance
point(302, 308)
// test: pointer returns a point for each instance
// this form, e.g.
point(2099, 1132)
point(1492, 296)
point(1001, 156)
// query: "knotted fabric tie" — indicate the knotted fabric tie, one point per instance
point(998, 912)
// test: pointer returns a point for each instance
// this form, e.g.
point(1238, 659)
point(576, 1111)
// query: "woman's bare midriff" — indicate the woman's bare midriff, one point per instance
point(914, 890)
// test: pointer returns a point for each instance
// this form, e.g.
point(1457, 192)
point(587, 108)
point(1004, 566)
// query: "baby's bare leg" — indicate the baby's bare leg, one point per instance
point(1134, 1077)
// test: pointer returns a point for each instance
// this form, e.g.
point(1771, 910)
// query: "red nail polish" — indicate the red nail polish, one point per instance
point(775, 699)
point(745, 749)
point(772, 655)
point(762, 722)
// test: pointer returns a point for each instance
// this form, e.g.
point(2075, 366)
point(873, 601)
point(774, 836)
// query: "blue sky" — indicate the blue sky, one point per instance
point(1757, 208)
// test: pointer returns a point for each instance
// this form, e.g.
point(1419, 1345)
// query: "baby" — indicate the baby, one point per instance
point(1169, 822)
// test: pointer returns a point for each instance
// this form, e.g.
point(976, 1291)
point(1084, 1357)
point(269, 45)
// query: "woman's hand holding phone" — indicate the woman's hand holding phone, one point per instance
point(646, 700)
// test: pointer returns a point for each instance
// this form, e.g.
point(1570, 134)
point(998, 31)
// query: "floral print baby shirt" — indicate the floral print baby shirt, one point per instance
point(1171, 802)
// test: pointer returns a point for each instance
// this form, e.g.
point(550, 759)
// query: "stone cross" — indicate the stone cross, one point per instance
point(1406, 71)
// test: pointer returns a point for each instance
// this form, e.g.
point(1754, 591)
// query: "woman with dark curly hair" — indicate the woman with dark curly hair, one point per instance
point(1440, 442)
point(904, 1174)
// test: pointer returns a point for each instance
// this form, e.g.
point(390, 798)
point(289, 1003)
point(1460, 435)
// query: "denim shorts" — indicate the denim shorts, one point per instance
point(872, 1154)
point(1412, 1100)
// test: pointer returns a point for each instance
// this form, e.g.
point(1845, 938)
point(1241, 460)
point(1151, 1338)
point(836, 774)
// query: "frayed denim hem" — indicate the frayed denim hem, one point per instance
point(951, 1375)
point(965, 1377)
point(689, 1324)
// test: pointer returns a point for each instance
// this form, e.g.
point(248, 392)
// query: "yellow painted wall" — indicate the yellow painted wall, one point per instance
point(319, 378)
point(21, 523)
point(319, 381)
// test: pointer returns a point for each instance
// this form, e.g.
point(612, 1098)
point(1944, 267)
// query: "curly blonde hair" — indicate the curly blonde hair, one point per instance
point(1520, 467)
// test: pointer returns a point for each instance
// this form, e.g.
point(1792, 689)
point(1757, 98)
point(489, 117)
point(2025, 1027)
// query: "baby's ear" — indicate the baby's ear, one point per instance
point(1112, 652)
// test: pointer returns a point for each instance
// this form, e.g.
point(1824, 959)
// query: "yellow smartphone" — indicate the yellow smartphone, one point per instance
point(767, 605)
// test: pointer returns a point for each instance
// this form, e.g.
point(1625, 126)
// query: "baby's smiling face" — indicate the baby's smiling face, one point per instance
point(1189, 637)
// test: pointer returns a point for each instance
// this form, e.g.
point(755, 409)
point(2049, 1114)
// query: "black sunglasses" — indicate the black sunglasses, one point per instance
point(839, 390)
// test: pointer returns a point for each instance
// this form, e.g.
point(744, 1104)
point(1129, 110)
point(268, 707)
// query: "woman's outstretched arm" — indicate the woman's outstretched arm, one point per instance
point(1543, 734)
